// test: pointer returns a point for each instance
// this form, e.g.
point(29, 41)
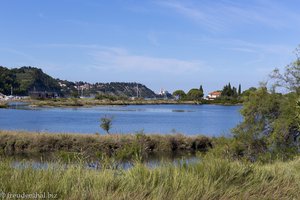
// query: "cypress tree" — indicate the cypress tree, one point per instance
point(240, 90)
point(230, 91)
point(201, 89)
point(234, 92)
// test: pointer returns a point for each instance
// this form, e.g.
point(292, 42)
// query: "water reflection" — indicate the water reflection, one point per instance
point(98, 165)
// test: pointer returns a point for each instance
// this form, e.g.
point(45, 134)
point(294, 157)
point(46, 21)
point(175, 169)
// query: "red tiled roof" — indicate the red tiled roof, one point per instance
point(215, 93)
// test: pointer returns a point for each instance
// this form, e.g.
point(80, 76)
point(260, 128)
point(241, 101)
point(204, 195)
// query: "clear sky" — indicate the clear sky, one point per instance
point(160, 43)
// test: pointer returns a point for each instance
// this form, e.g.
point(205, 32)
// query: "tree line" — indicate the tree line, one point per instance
point(197, 94)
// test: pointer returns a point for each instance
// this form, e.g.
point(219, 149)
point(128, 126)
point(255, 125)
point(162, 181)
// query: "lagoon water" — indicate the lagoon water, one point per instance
point(210, 120)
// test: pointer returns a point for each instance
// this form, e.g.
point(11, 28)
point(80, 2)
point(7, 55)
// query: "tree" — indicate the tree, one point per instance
point(271, 120)
point(298, 112)
point(247, 92)
point(180, 94)
point(201, 89)
point(234, 92)
point(195, 94)
point(106, 123)
point(227, 91)
point(240, 90)
point(7, 80)
point(290, 78)
point(270, 124)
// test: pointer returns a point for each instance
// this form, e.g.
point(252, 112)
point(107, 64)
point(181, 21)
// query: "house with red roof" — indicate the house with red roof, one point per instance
point(213, 95)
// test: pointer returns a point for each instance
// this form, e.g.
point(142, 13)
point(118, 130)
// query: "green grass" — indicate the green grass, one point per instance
point(119, 146)
point(76, 102)
point(208, 179)
point(212, 177)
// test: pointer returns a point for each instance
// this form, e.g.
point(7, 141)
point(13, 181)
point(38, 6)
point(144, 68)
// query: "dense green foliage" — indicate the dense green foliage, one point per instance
point(109, 97)
point(7, 80)
point(247, 92)
point(180, 94)
point(230, 95)
point(26, 79)
point(194, 94)
point(270, 124)
point(270, 128)
point(229, 91)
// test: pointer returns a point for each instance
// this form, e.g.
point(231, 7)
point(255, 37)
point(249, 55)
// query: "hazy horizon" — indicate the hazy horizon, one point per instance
point(161, 44)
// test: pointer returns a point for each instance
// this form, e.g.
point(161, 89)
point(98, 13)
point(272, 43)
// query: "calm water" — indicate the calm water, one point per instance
point(210, 120)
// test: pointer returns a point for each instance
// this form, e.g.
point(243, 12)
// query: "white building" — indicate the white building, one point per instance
point(163, 92)
point(214, 95)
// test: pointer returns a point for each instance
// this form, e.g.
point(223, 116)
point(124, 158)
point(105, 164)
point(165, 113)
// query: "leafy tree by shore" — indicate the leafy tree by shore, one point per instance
point(247, 92)
point(194, 94)
point(180, 94)
point(271, 120)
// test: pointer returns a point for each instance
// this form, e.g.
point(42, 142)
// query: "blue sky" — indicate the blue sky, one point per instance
point(160, 43)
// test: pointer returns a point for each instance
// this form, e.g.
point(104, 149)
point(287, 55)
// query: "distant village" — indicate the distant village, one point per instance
point(31, 82)
point(162, 94)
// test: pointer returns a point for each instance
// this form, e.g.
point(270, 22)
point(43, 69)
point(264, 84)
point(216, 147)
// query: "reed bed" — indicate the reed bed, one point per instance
point(210, 178)
point(120, 146)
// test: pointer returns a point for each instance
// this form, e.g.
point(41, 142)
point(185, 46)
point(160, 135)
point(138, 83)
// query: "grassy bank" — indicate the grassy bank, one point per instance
point(75, 102)
point(209, 179)
point(120, 146)
point(3, 104)
point(65, 102)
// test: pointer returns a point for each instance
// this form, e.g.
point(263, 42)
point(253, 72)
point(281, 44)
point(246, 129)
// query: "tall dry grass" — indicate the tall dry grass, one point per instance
point(121, 146)
point(208, 179)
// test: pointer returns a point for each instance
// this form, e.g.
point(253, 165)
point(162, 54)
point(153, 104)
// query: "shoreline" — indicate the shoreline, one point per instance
point(70, 102)
point(118, 146)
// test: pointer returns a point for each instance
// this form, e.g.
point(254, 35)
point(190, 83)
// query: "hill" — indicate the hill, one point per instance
point(124, 89)
point(26, 79)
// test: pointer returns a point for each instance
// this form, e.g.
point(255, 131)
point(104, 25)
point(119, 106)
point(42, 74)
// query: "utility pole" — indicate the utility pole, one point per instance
point(11, 90)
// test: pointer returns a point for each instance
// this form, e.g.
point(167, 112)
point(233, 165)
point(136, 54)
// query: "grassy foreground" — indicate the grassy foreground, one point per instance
point(119, 146)
point(210, 179)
